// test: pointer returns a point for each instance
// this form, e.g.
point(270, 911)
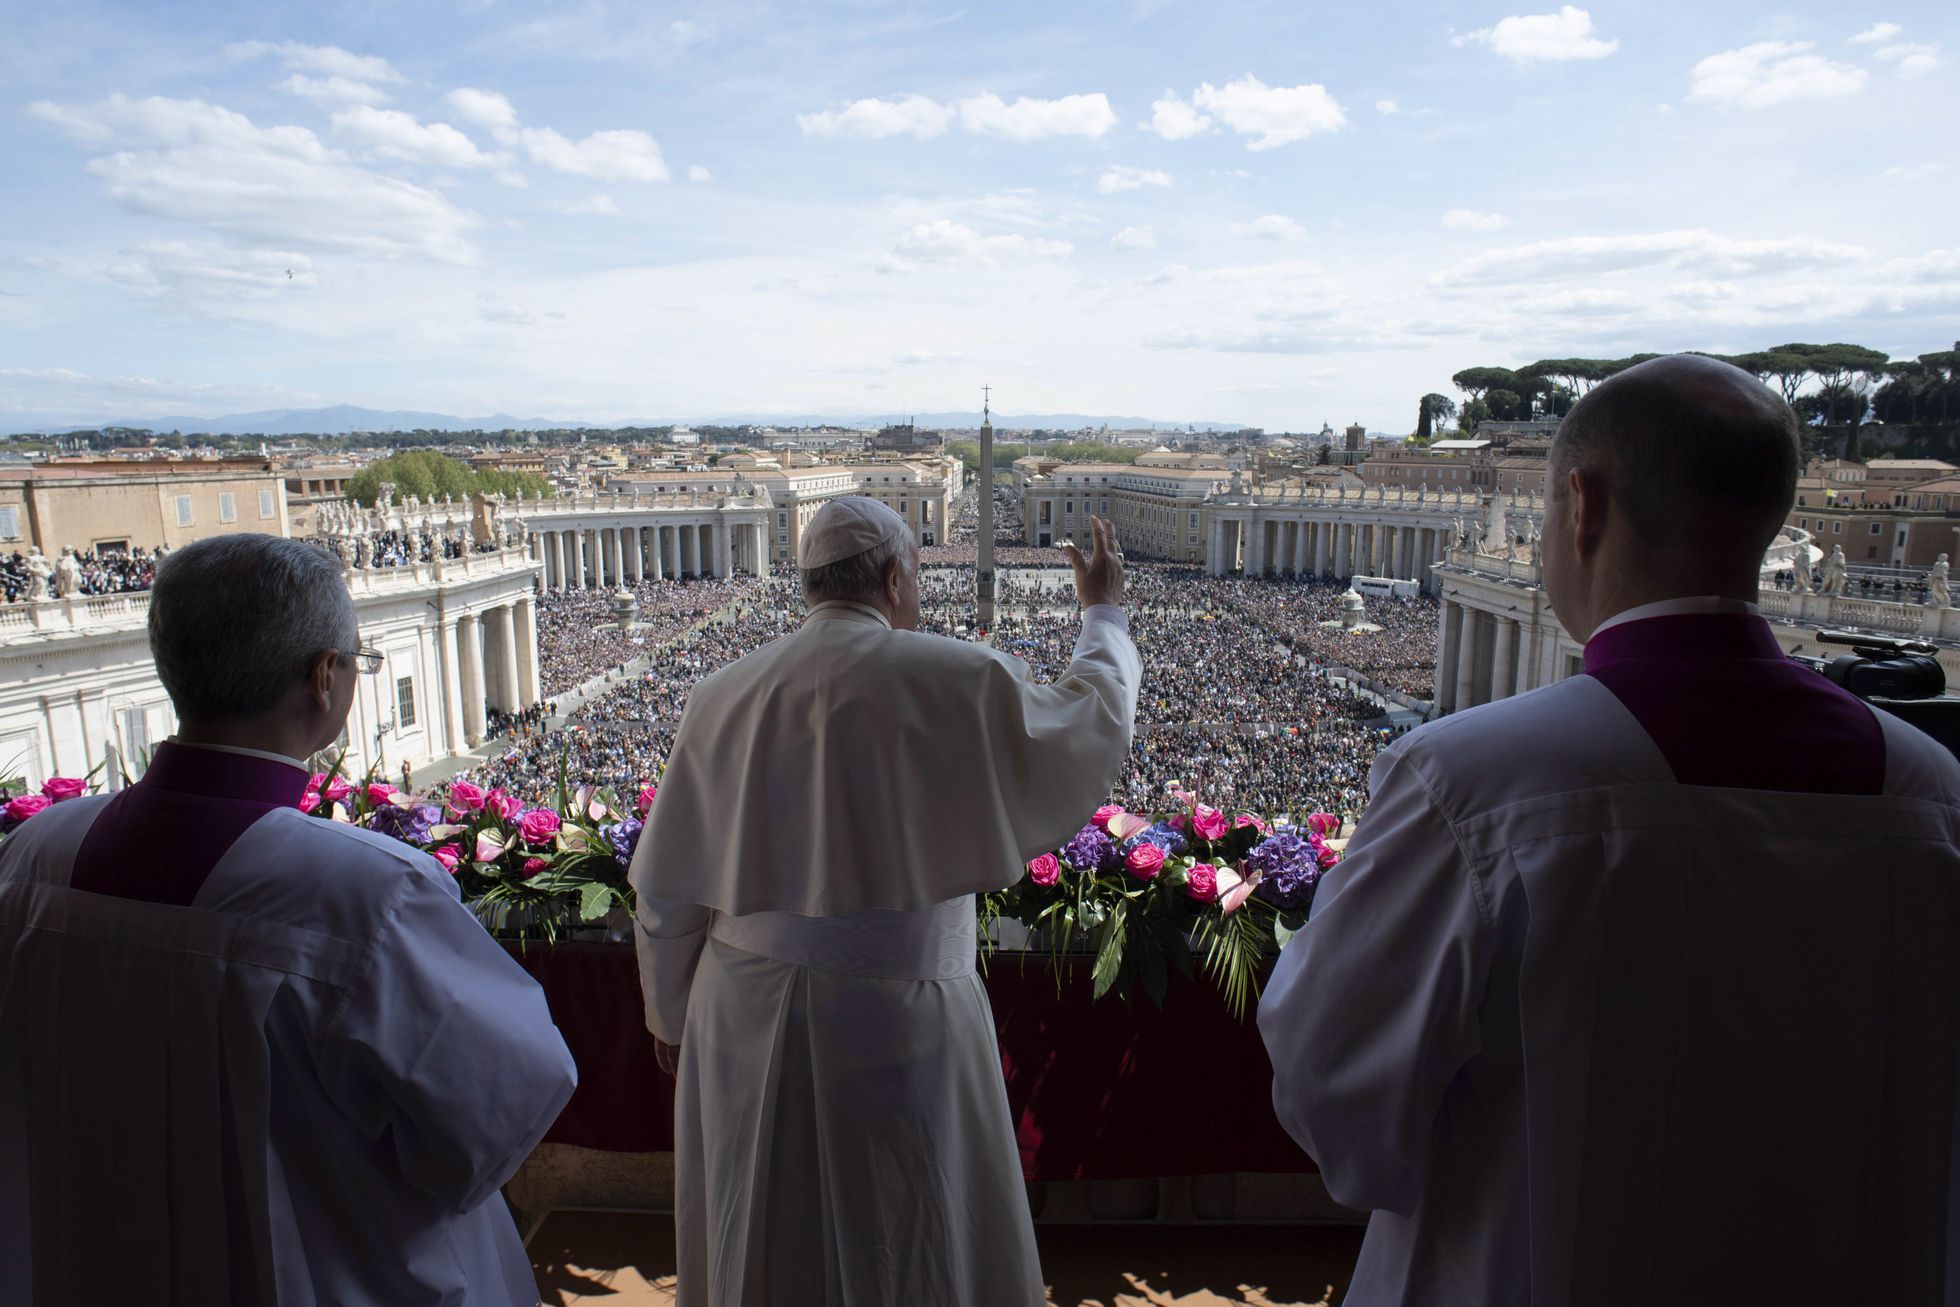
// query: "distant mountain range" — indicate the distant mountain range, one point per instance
point(343, 419)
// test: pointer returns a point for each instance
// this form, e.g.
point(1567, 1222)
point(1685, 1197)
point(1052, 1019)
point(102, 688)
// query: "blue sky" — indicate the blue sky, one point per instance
point(1278, 214)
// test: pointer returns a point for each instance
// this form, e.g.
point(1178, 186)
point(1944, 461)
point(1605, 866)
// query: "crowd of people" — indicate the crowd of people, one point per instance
point(1242, 702)
point(101, 574)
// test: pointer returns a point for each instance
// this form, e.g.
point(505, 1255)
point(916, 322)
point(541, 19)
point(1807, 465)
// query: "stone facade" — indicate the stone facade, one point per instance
point(114, 506)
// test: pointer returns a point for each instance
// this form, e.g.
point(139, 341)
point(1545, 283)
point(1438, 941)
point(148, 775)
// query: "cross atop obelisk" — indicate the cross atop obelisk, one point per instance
point(986, 535)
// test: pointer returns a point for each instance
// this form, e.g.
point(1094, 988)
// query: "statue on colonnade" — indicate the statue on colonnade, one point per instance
point(67, 574)
point(1939, 590)
point(1835, 572)
point(38, 573)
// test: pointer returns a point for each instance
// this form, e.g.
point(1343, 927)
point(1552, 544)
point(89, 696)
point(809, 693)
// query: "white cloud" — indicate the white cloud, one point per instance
point(696, 173)
point(484, 108)
point(1271, 227)
point(1028, 119)
point(1914, 59)
point(1701, 252)
point(913, 358)
point(1134, 238)
point(69, 395)
point(329, 60)
point(333, 90)
point(1123, 177)
point(213, 271)
point(1901, 172)
point(908, 115)
point(686, 32)
point(1473, 220)
point(1877, 33)
point(1387, 107)
point(949, 242)
point(1528, 38)
point(1174, 120)
point(1272, 115)
point(275, 187)
point(393, 134)
point(1770, 73)
point(599, 205)
point(609, 156)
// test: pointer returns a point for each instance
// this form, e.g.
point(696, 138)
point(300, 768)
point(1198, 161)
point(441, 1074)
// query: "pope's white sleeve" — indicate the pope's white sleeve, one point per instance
point(1373, 1006)
point(668, 937)
point(446, 1045)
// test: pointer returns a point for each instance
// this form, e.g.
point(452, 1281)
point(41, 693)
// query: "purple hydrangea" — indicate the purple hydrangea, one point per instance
point(624, 838)
point(1091, 850)
point(1164, 836)
point(410, 825)
point(1289, 868)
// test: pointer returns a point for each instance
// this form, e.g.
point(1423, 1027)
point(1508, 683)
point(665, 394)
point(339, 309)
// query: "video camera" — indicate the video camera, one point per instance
point(1902, 677)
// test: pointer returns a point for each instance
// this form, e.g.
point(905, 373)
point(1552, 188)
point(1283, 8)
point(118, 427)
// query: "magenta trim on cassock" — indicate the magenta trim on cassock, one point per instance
point(1726, 708)
point(158, 840)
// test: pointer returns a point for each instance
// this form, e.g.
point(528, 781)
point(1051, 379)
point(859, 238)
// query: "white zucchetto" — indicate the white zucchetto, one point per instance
point(845, 528)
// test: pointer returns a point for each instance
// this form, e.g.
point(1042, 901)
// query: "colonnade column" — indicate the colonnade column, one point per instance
point(1468, 636)
point(469, 642)
point(1448, 643)
point(454, 733)
point(1504, 659)
point(503, 642)
point(1342, 530)
point(525, 628)
point(1319, 549)
point(578, 559)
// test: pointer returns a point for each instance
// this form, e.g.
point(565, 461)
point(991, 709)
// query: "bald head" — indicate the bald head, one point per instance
point(1695, 452)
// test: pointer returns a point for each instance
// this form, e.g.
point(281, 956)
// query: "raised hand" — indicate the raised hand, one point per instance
point(1099, 578)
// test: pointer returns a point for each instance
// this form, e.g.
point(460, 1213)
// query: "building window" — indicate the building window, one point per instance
point(782, 519)
point(404, 702)
point(265, 505)
point(1877, 527)
point(1194, 521)
point(9, 523)
point(1871, 551)
point(184, 510)
point(1837, 528)
point(227, 507)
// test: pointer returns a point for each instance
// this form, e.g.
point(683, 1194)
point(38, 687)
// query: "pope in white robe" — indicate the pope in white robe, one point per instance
point(1644, 987)
point(807, 932)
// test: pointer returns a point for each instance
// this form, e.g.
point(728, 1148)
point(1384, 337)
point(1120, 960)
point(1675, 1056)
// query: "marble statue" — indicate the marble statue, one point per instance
point(1510, 547)
point(360, 551)
point(1238, 483)
point(1800, 573)
point(38, 573)
point(1835, 570)
point(67, 574)
point(1939, 591)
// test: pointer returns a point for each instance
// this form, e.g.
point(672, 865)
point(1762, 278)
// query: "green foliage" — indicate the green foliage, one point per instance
point(428, 475)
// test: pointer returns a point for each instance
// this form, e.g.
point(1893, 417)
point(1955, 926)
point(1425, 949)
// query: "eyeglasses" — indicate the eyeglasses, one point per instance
point(367, 660)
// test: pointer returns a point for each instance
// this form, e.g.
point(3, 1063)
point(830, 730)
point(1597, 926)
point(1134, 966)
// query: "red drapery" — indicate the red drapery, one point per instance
point(1098, 1091)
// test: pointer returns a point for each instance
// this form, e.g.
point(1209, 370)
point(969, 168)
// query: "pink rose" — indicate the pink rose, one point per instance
point(309, 800)
point(1104, 813)
point(532, 866)
point(1144, 861)
point(464, 797)
point(334, 788)
point(1208, 822)
point(379, 792)
point(1325, 853)
point(64, 787)
point(502, 804)
point(1179, 822)
point(1045, 870)
point(1202, 883)
point(1323, 823)
point(538, 825)
point(645, 804)
point(450, 856)
point(26, 806)
point(1245, 819)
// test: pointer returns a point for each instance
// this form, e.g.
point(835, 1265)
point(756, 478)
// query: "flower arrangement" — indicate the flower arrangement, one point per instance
point(526, 870)
point(1147, 891)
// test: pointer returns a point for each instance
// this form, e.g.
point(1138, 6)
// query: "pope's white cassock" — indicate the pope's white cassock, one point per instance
point(1641, 988)
point(248, 1056)
point(806, 935)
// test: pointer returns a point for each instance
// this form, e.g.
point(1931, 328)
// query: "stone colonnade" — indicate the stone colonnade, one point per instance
point(580, 557)
point(1323, 547)
point(489, 661)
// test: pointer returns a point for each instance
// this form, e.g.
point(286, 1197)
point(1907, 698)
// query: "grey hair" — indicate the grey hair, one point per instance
point(235, 620)
point(860, 578)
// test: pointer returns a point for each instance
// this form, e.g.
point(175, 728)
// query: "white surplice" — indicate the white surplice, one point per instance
point(806, 934)
point(1548, 982)
point(306, 1087)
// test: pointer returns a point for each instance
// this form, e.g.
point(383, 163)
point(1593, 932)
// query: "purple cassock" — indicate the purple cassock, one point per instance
point(1641, 987)
point(249, 1056)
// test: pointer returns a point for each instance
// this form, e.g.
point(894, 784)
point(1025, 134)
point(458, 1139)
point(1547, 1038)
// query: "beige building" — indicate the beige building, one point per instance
point(1157, 510)
point(113, 507)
